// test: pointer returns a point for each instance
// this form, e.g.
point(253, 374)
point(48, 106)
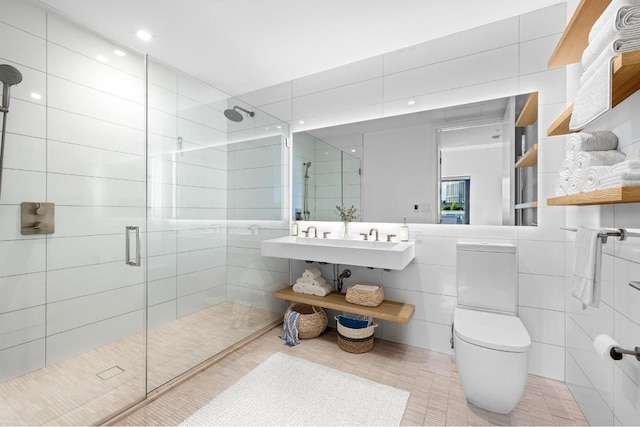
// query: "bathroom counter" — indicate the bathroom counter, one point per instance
point(388, 310)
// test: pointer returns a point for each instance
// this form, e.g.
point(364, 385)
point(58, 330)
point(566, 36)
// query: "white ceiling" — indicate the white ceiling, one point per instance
point(242, 45)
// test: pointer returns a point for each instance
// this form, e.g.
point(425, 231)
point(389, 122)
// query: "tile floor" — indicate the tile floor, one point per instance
point(92, 386)
point(436, 395)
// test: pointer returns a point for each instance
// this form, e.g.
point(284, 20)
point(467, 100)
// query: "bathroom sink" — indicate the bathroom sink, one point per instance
point(390, 255)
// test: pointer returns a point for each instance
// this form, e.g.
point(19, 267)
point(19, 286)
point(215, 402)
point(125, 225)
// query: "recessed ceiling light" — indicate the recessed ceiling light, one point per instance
point(353, 150)
point(101, 58)
point(36, 95)
point(118, 52)
point(411, 102)
point(144, 35)
point(279, 127)
point(301, 122)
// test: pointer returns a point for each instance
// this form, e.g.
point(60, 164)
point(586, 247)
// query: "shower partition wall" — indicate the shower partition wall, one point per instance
point(83, 334)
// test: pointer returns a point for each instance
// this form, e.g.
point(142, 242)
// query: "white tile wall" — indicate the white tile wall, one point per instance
point(499, 59)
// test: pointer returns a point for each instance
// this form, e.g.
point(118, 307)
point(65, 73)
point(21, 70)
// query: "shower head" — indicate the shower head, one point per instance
point(307, 165)
point(9, 76)
point(233, 115)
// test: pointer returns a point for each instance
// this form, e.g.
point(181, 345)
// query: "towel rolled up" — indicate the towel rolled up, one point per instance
point(592, 177)
point(561, 187)
point(600, 140)
point(311, 273)
point(303, 281)
point(586, 159)
point(318, 281)
point(322, 290)
point(574, 185)
point(302, 288)
point(566, 169)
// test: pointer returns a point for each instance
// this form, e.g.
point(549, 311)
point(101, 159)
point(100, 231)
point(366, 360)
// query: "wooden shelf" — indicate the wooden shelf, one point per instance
point(388, 310)
point(600, 197)
point(529, 159)
point(626, 81)
point(529, 205)
point(576, 36)
point(529, 114)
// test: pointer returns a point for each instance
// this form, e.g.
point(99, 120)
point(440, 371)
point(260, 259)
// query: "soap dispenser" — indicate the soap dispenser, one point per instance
point(404, 231)
point(294, 228)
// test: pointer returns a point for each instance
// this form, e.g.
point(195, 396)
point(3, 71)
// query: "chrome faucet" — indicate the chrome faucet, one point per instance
point(372, 230)
point(315, 231)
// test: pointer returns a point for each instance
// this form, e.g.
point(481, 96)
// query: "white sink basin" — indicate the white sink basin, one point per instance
point(390, 255)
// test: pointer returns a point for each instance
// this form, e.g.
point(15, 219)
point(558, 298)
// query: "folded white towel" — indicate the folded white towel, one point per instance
point(311, 273)
point(600, 140)
point(561, 187)
point(618, 183)
point(614, 15)
point(593, 97)
point(566, 169)
point(627, 175)
point(586, 159)
point(586, 270)
point(593, 176)
point(625, 165)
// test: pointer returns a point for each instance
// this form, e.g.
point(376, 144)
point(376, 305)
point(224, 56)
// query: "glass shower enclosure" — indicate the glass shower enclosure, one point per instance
point(161, 202)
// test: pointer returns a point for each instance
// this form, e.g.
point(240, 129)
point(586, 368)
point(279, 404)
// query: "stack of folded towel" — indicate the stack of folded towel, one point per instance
point(616, 31)
point(312, 283)
point(623, 174)
point(589, 157)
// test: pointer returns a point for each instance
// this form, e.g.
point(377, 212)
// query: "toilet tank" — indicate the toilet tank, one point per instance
point(487, 276)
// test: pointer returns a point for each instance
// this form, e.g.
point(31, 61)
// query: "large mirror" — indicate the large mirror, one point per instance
point(454, 165)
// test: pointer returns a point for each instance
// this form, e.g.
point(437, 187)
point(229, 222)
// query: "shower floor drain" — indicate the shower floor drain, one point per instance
point(110, 373)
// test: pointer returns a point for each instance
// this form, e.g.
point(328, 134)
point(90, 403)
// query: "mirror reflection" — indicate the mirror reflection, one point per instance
point(454, 165)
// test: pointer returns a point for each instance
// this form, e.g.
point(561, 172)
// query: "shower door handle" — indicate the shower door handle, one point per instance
point(128, 230)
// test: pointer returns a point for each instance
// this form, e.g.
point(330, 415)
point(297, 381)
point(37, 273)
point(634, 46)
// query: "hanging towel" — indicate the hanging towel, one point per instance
point(586, 270)
point(586, 159)
point(593, 176)
point(290, 328)
point(311, 273)
point(600, 140)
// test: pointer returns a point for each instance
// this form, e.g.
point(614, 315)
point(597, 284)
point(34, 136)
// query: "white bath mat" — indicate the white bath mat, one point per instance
point(286, 390)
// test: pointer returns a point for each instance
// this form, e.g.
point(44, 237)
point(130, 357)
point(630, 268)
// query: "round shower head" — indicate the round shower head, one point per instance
point(9, 75)
point(233, 115)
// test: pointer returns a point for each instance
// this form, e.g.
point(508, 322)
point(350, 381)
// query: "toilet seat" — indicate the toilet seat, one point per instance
point(490, 330)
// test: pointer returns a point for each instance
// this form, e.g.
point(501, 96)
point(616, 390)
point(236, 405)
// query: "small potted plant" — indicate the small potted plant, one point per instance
point(346, 215)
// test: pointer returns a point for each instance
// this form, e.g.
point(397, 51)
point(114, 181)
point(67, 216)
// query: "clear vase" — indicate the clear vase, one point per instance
point(346, 234)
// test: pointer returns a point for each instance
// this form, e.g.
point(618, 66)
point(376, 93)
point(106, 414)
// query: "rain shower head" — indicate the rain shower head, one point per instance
point(233, 114)
point(9, 76)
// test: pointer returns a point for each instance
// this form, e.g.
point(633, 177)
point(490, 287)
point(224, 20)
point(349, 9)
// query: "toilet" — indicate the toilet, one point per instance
point(490, 341)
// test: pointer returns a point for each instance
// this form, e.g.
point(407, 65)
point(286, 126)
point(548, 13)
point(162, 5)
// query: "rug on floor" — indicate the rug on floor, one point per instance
point(286, 390)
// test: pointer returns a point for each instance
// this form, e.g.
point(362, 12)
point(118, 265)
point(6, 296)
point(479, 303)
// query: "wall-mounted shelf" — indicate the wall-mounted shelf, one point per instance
point(600, 197)
point(529, 159)
point(529, 113)
point(626, 81)
point(576, 36)
point(529, 205)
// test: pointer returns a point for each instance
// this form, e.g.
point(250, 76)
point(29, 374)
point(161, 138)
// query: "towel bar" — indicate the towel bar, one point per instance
point(620, 233)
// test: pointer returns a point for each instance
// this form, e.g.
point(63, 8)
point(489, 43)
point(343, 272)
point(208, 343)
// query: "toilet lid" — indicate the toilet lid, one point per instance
point(491, 330)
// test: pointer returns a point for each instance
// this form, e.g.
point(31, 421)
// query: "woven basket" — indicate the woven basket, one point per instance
point(348, 332)
point(313, 320)
point(366, 298)
point(354, 345)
